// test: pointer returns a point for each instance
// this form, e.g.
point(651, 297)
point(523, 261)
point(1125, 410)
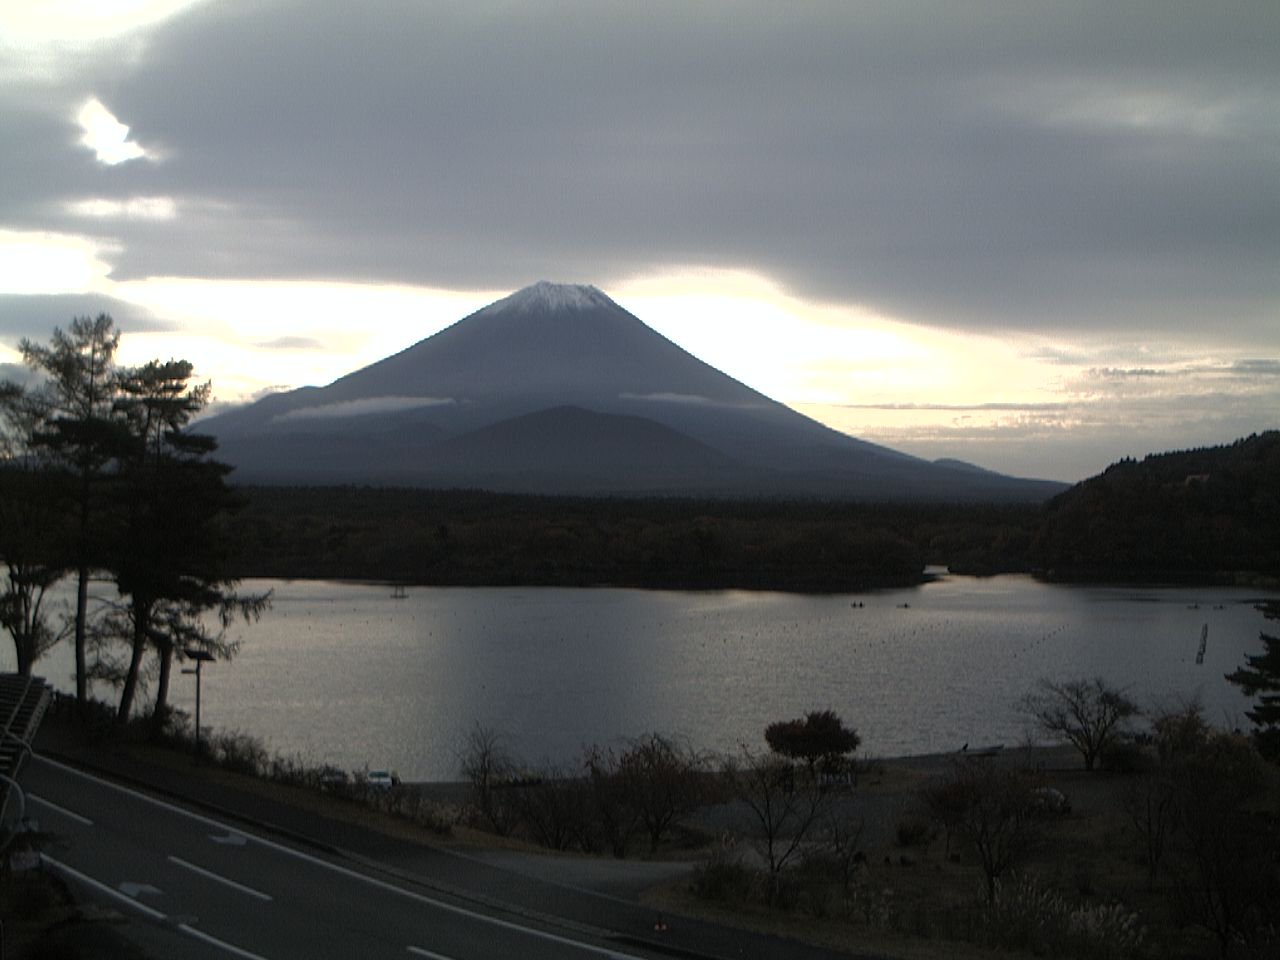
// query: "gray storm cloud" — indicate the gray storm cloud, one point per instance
point(1088, 167)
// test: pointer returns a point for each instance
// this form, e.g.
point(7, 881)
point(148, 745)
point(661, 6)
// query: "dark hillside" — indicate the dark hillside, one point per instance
point(1207, 514)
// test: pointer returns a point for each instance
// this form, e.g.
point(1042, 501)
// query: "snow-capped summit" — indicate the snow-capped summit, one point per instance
point(544, 295)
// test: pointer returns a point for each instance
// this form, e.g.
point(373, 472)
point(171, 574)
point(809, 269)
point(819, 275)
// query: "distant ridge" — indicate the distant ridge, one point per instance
point(557, 389)
point(1209, 514)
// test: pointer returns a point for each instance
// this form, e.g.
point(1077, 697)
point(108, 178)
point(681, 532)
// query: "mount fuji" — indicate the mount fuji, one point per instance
point(557, 389)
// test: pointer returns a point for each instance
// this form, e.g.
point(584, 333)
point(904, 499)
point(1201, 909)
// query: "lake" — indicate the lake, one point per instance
point(348, 674)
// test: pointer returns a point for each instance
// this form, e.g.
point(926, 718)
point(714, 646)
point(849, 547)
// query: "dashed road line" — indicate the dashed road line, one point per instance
point(543, 935)
point(70, 815)
point(147, 911)
point(210, 875)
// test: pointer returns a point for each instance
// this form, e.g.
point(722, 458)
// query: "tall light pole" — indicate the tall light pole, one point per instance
point(201, 657)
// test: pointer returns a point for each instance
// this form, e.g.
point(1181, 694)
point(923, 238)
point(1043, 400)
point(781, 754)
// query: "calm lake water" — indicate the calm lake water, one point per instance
point(348, 674)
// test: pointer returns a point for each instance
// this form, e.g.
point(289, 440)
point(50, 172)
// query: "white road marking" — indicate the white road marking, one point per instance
point(147, 911)
point(419, 952)
point(209, 874)
point(62, 810)
point(136, 890)
point(102, 888)
point(351, 874)
point(230, 840)
point(449, 907)
point(230, 948)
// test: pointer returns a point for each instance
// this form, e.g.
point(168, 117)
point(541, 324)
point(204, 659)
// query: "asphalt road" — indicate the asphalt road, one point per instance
point(201, 888)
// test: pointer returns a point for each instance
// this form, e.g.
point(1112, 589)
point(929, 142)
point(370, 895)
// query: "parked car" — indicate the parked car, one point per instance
point(382, 779)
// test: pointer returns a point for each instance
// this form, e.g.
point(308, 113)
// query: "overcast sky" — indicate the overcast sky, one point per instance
point(1036, 236)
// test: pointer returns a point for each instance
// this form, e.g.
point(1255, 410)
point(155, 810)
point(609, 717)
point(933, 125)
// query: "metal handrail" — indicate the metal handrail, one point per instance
point(19, 700)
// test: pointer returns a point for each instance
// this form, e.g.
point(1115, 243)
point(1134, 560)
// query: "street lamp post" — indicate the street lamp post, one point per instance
point(201, 657)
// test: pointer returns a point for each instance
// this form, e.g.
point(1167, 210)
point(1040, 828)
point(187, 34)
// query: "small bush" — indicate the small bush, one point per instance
point(724, 878)
point(914, 831)
point(34, 894)
point(813, 885)
point(1026, 916)
point(873, 906)
point(409, 804)
point(1082, 879)
point(1123, 756)
point(1106, 931)
point(1021, 916)
point(239, 752)
point(291, 771)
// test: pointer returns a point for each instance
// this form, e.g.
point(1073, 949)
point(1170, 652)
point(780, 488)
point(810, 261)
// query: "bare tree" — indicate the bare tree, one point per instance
point(1227, 850)
point(32, 531)
point(1149, 804)
point(490, 770)
point(616, 817)
point(842, 832)
point(1179, 729)
point(33, 527)
point(555, 807)
point(785, 808)
point(664, 780)
point(947, 801)
point(1088, 714)
point(1179, 732)
point(993, 809)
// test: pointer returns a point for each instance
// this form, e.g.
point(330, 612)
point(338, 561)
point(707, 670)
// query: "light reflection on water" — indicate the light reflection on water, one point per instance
point(345, 673)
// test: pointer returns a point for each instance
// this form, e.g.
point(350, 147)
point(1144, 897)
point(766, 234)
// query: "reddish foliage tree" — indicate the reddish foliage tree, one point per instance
point(819, 736)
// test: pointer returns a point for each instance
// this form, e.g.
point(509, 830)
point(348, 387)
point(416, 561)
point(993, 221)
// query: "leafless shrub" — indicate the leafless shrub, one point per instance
point(1088, 714)
point(491, 771)
point(991, 808)
point(784, 807)
point(554, 807)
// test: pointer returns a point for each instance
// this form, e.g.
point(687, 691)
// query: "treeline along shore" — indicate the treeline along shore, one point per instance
point(470, 538)
point(1201, 516)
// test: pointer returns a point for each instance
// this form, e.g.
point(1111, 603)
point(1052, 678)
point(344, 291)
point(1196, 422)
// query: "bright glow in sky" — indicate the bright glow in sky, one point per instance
point(41, 263)
point(32, 23)
point(256, 335)
point(106, 136)
point(1037, 243)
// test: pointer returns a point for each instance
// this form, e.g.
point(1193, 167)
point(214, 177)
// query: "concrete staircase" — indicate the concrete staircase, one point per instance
point(23, 702)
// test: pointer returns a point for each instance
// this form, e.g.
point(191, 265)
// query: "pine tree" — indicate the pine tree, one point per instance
point(1261, 678)
point(170, 496)
point(77, 432)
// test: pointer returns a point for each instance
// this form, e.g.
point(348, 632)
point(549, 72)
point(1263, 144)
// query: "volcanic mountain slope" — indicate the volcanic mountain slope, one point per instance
point(557, 389)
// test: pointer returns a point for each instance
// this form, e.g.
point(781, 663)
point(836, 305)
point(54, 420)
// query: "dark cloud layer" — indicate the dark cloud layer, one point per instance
point(35, 317)
point(1092, 166)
